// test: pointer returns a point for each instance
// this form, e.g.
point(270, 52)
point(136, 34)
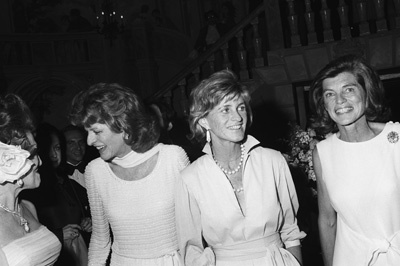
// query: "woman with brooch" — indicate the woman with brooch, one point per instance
point(239, 197)
point(357, 167)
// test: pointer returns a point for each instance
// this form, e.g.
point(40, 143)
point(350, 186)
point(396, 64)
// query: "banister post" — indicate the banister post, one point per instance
point(310, 22)
point(258, 58)
point(242, 56)
point(196, 74)
point(326, 22)
point(381, 24)
point(226, 63)
point(273, 21)
point(211, 63)
point(343, 11)
point(184, 101)
point(293, 24)
point(397, 7)
point(362, 13)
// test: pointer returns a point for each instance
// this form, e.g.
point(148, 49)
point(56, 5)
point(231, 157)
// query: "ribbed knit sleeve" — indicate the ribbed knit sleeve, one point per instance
point(100, 240)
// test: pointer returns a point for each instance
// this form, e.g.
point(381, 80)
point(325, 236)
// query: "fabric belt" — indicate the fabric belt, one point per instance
point(386, 246)
point(252, 249)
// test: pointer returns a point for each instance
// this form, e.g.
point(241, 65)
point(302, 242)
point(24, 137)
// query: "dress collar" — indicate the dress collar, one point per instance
point(250, 143)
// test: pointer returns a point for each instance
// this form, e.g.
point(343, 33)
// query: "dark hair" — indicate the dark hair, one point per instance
point(16, 121)
point(44, 133)
point(375, 108)
point(209, 93)
point(70, 128)
point(46, 194)
point(120, 109)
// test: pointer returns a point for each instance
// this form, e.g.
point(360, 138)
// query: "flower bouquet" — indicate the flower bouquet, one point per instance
point(301, 144)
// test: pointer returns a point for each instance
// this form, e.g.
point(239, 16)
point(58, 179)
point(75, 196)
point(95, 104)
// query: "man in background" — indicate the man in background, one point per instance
point(75, 138)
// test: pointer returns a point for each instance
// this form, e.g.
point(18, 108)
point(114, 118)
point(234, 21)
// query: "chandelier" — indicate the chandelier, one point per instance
point(109, 23)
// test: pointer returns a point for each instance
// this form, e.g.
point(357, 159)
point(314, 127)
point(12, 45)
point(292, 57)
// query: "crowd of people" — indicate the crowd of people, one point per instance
point(112, 188)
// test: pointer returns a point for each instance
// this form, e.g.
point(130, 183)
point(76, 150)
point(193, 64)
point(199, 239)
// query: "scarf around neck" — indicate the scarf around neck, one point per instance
point(133, 158)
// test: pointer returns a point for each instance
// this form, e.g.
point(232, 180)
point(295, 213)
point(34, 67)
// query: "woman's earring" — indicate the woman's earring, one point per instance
point(208, 136)
point(20, 182)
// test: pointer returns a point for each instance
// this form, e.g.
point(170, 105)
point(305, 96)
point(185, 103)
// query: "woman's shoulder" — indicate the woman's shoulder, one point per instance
point(389, 125)
point(264, 153)
point(171, 148)
point(174, 152)
point(195, 166)
point(379, 127)
point(96, 163)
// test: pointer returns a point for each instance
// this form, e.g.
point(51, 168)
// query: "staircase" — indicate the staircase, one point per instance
point(289, 46)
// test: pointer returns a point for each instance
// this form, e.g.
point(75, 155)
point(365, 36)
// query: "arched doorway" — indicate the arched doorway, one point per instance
point(49, 98)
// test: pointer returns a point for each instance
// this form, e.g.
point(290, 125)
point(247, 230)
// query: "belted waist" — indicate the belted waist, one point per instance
point(252, 249)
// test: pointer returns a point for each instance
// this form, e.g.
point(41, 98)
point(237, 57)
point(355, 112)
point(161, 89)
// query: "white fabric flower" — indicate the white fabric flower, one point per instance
point(14, 163)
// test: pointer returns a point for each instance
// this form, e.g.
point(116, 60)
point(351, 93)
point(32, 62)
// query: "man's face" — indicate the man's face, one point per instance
point(76, 146)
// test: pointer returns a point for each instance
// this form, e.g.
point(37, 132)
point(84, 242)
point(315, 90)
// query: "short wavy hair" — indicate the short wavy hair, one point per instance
point(16, 120)
point(120, 109)
point(222, 85)
point(368, 78)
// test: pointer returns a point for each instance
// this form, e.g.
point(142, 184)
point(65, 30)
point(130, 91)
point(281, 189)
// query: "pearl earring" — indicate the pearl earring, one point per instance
point(208, 136)
point(20, 182)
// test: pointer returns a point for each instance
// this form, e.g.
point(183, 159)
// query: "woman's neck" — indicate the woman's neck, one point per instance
point(357, 132)
point(9, 198)
point(226, 153)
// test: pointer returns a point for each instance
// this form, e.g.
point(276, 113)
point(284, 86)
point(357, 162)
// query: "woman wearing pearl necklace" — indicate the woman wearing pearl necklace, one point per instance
point(239, 197)
point(23, 240)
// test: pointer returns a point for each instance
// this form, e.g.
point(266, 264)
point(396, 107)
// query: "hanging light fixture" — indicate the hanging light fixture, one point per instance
point(109, 23)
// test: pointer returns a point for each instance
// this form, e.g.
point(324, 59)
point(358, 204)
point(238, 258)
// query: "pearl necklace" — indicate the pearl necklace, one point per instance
point(238, 190)
point(227, 172)
point(23, 221)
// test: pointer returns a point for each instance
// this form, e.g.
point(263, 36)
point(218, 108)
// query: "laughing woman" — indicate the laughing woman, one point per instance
point(239, 196)
point(131, 187)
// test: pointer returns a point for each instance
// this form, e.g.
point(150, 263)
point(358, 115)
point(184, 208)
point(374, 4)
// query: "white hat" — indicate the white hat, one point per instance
point(14, 163)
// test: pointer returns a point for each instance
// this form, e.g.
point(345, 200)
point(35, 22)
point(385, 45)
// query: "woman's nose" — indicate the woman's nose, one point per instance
point(90, 138)
point(237, 116)
point(340, 98)
point(53, 153)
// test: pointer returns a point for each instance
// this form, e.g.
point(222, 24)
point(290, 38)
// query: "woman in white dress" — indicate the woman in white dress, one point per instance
point(131, 187)
point(239, 197)
point(357, 167)
point(23, 239)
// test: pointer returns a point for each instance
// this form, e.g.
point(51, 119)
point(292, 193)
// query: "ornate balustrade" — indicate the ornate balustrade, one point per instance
point(336, 20)
point(313, 33)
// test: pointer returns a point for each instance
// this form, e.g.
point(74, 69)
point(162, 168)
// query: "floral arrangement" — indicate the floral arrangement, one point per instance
point(302, 143)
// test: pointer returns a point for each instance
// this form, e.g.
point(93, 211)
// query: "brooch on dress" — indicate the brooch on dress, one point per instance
point(393, 137)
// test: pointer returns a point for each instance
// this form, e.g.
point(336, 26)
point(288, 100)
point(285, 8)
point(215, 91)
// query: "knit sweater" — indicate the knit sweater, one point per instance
point(141, 213)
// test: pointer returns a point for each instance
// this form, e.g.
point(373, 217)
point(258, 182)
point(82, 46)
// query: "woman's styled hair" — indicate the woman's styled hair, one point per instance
point(220, 86)
point(44, 134)
point(120, 109)
point(16, 121)
point(375, 108)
